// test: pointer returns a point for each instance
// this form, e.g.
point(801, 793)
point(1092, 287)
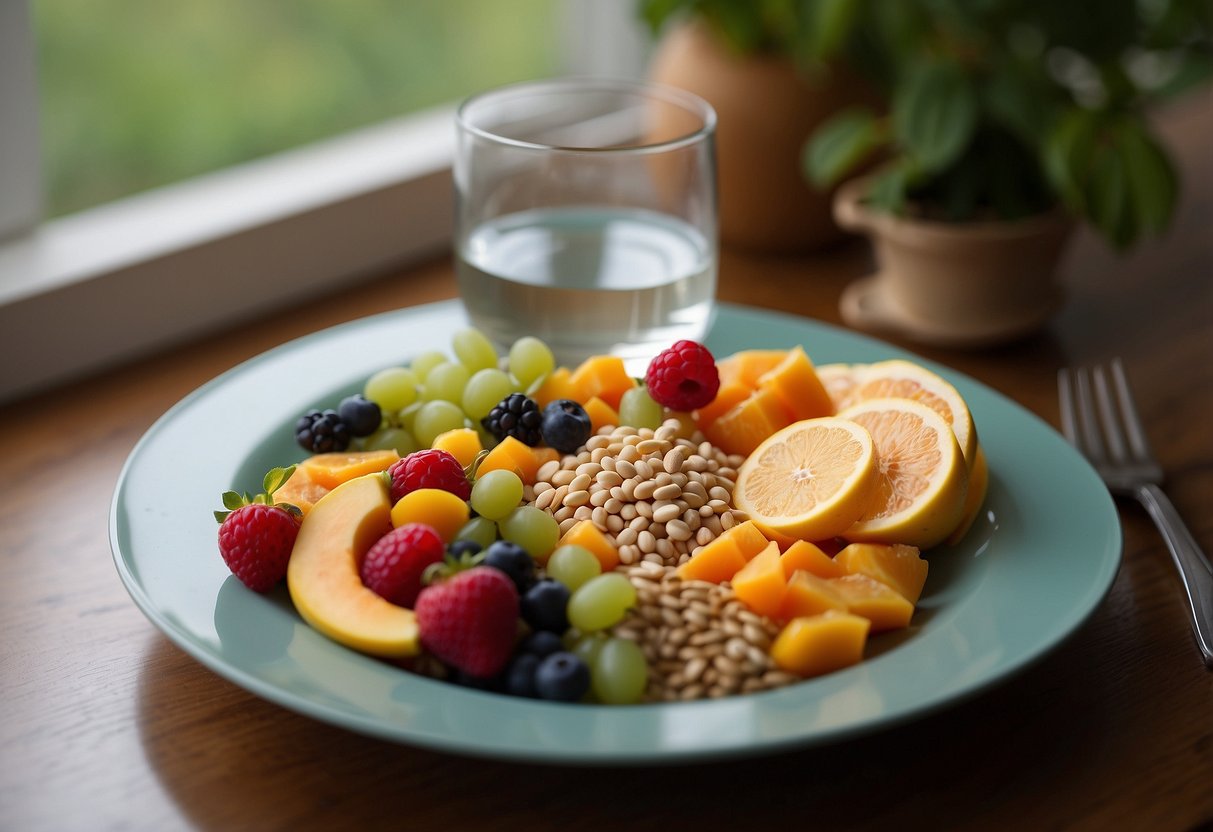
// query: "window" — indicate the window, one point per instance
point(343, 172)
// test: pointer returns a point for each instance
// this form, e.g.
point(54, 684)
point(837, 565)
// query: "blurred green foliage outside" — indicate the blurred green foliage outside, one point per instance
point(140, 93)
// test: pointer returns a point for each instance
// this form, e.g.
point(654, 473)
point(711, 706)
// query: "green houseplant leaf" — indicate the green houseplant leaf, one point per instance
point(841, 144)
point(935, 113)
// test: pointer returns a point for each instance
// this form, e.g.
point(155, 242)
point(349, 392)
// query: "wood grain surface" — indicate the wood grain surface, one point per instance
point(106, 725)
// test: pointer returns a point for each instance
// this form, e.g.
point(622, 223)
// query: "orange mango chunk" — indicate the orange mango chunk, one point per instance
point(761, 584)
point(585, 533)
point(558, 385)
point(603, 376)
point(511, 455)
point(880, 604)
point(715, 562)
point(808, 594)
point(727, 396)
point(434, 507)
point(301, 491)
point(461, 443)
point(817, 644)
point(749, 539)
point(897, 566)
point(794, 380)
point(808, 557)
point(746, 366)
point(743, 427)
point(601, 414)
point(330, 470)
point(544, 454)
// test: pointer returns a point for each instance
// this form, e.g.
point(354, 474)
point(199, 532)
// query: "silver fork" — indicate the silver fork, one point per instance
point(1099, 418)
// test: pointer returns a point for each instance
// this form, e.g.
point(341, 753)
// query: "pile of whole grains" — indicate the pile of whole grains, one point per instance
point(700, 640)
point(657, 495)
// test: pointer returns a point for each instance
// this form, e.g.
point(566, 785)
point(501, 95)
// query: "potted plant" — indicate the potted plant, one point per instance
point(753, 61)
point(1008, 122)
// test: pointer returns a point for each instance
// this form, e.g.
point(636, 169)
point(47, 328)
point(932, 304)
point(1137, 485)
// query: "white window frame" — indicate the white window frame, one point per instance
point(84, 292)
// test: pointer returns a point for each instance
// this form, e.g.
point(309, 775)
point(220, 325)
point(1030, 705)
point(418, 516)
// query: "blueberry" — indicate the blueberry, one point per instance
point(361, 415)
point(459, 548)
point(514, 561)
point(541, 643)
point(520, 675)
point(495, 684)
point(545, 606)
point(562, 677)
point(566, 426)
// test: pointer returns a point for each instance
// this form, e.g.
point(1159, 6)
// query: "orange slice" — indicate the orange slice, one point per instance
point(919, 497)
point(979, 484)
point(809, 481)
point(905, 379)
point(840, 381)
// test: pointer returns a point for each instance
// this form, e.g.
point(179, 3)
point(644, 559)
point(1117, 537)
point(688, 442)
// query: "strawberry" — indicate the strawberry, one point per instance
point(256, 535)
point(470, 620)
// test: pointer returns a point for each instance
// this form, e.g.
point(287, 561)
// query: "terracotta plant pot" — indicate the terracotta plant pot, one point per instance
point(953, 284)
point(766, 111)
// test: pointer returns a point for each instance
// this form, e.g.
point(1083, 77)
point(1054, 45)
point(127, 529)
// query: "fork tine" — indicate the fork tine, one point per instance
point(1132, 420)
point(1065, 401)
point(1088, 424)
point(1113, 429)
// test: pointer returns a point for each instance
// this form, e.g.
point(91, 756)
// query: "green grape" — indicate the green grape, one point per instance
point(427, 361)
point(573, 565)
point(496, 494)
point(480, 530)
point(619, 673)
point(484, 390)
point(434, 418)
point(391, 438)
point(638, 410)
point(446, 382)
point(533, 529)
point(601, 602)
point(392, 389)
point(530, 360)
point(408, 415)
point(587, 646)
point(474, 350)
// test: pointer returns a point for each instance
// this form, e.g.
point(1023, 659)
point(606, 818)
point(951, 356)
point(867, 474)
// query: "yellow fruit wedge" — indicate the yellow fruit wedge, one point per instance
point(922, 479)
point(907, 380)
point(810, 481)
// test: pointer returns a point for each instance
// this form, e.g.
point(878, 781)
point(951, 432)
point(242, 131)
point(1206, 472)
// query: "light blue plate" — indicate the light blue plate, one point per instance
point(1038, 561)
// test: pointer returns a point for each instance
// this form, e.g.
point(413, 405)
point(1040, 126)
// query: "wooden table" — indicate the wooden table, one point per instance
point(106, 724)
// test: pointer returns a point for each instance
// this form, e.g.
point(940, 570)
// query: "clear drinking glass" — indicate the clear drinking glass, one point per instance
point(586, 216)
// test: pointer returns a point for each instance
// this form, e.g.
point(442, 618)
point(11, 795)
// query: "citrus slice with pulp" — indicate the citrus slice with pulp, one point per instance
point(979, 484)
point(919, 498)
point(907, 380)
point(840, 381)
point(810, 481)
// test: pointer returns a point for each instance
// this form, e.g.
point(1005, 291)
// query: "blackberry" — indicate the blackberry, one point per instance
point(518, 416)
point(322, 432)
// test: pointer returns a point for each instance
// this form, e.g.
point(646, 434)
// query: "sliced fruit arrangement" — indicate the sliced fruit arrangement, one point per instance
point(576, 534)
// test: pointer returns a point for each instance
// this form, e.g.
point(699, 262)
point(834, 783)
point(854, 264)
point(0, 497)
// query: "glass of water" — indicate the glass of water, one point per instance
point(586, 216)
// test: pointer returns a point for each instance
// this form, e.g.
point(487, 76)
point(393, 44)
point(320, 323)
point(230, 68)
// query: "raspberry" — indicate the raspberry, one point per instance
point(683, 377)
point(429, 469)
point(393, 566)
point(256, 541)
point(518, 416)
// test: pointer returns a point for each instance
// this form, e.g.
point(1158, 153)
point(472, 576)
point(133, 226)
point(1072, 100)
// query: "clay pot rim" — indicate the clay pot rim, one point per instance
point(682, 99)
point(853, 214)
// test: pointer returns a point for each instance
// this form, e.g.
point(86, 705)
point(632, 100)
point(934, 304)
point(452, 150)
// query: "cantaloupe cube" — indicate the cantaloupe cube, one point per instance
point(808, 594)
point(897, 566)
point(795, 382)
point(601, 414)
point(744, 426)
point(461, 443)
point(511, 455)
point(880, 604)
point(806, 556)
point(726, 397)
point(332, 469)
point(300, 490)
point(558, 385)
point(760, 584)
point(749, 539)
point(746, 366)
point(817, 644)
point(585, 533)
point(603, 376)
point(716, 562)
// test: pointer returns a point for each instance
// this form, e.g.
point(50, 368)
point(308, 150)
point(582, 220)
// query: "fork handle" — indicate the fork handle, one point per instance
point(1194, 570)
